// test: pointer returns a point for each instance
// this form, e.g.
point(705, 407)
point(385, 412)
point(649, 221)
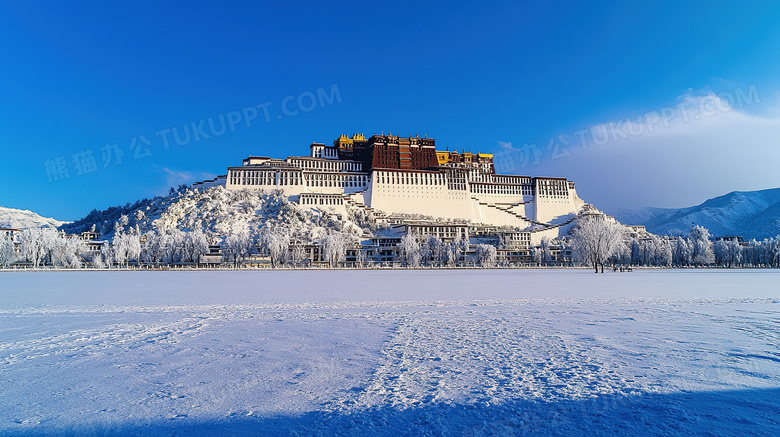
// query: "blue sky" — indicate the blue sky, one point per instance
point(77, 76)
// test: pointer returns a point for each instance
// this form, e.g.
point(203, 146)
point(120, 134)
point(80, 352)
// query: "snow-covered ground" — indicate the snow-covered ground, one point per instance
point(465, 352)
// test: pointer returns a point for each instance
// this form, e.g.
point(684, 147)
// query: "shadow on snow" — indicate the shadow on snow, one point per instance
point(739, 412)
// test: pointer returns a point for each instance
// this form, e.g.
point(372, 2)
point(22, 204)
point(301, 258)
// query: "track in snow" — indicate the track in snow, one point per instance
point(457, 353)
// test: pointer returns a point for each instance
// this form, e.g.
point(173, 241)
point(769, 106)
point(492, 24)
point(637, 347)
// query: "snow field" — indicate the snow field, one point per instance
point(391, 353)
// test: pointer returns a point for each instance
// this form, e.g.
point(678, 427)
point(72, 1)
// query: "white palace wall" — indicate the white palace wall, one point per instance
point(316, 183)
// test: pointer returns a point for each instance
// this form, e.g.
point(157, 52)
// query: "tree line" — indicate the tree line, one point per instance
point(595, 241)
point(598, 241)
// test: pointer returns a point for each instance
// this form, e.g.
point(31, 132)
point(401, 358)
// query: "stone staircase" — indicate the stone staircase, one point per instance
point(351, 201)
point(508, 210)
point(567, 222)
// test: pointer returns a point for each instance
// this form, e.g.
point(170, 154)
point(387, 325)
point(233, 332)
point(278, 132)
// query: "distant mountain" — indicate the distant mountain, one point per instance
point(750, 214)
point(23, 219)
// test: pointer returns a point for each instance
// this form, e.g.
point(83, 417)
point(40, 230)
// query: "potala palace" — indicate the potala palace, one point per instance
point(381, 201)
point(395, 176)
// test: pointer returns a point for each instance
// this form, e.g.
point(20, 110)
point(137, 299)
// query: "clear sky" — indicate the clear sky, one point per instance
point(113, 81)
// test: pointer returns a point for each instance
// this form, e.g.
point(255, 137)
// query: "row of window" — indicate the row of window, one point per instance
point(335, 180)
point(438, 231)
point(336, 165)
point(261, 177)
point(546, 192)
point(309, 199)
point(514, 190)
point(552, 188)
point(411, 178)
point(456, 181)
point(324, 152)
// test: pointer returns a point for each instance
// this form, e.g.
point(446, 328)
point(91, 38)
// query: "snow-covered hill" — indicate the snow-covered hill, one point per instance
point(218, 212)
point(23, 219)
point(751, 214)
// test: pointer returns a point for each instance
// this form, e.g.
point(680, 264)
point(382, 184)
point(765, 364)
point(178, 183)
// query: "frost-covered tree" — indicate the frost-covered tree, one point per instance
point(7, 252)
point(163, 246)
point(133, 247)
point(276, 243)
point(150, 251)
point(459, 247)
point(665, 253)
point(199, 244)
point(565, 245)
point(334, 248)
point(486, 255)
point(700, 246)
point(126, 247)
point(596, 239)
point(426, 253)
point(119, 248)
point(106, 258)
point(537, 255)
point(195, 243)
point(123, 222)
point(448, 256)
point(636, 252)
point(177, 243)
point(728, 253)
point(33, 245)
point(682, 253)
point(361, 258)
point(66, 252)
point(773, 252)
point(410, 250)
point(297, 254)
point(438, 251)
point(237, 246)
point(545, 248)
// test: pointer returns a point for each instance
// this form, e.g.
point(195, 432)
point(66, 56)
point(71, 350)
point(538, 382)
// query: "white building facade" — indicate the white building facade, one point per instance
point(450, 186)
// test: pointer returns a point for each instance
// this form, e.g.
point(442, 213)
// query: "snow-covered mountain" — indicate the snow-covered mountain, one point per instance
point(23, 219)
point(750, 214)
